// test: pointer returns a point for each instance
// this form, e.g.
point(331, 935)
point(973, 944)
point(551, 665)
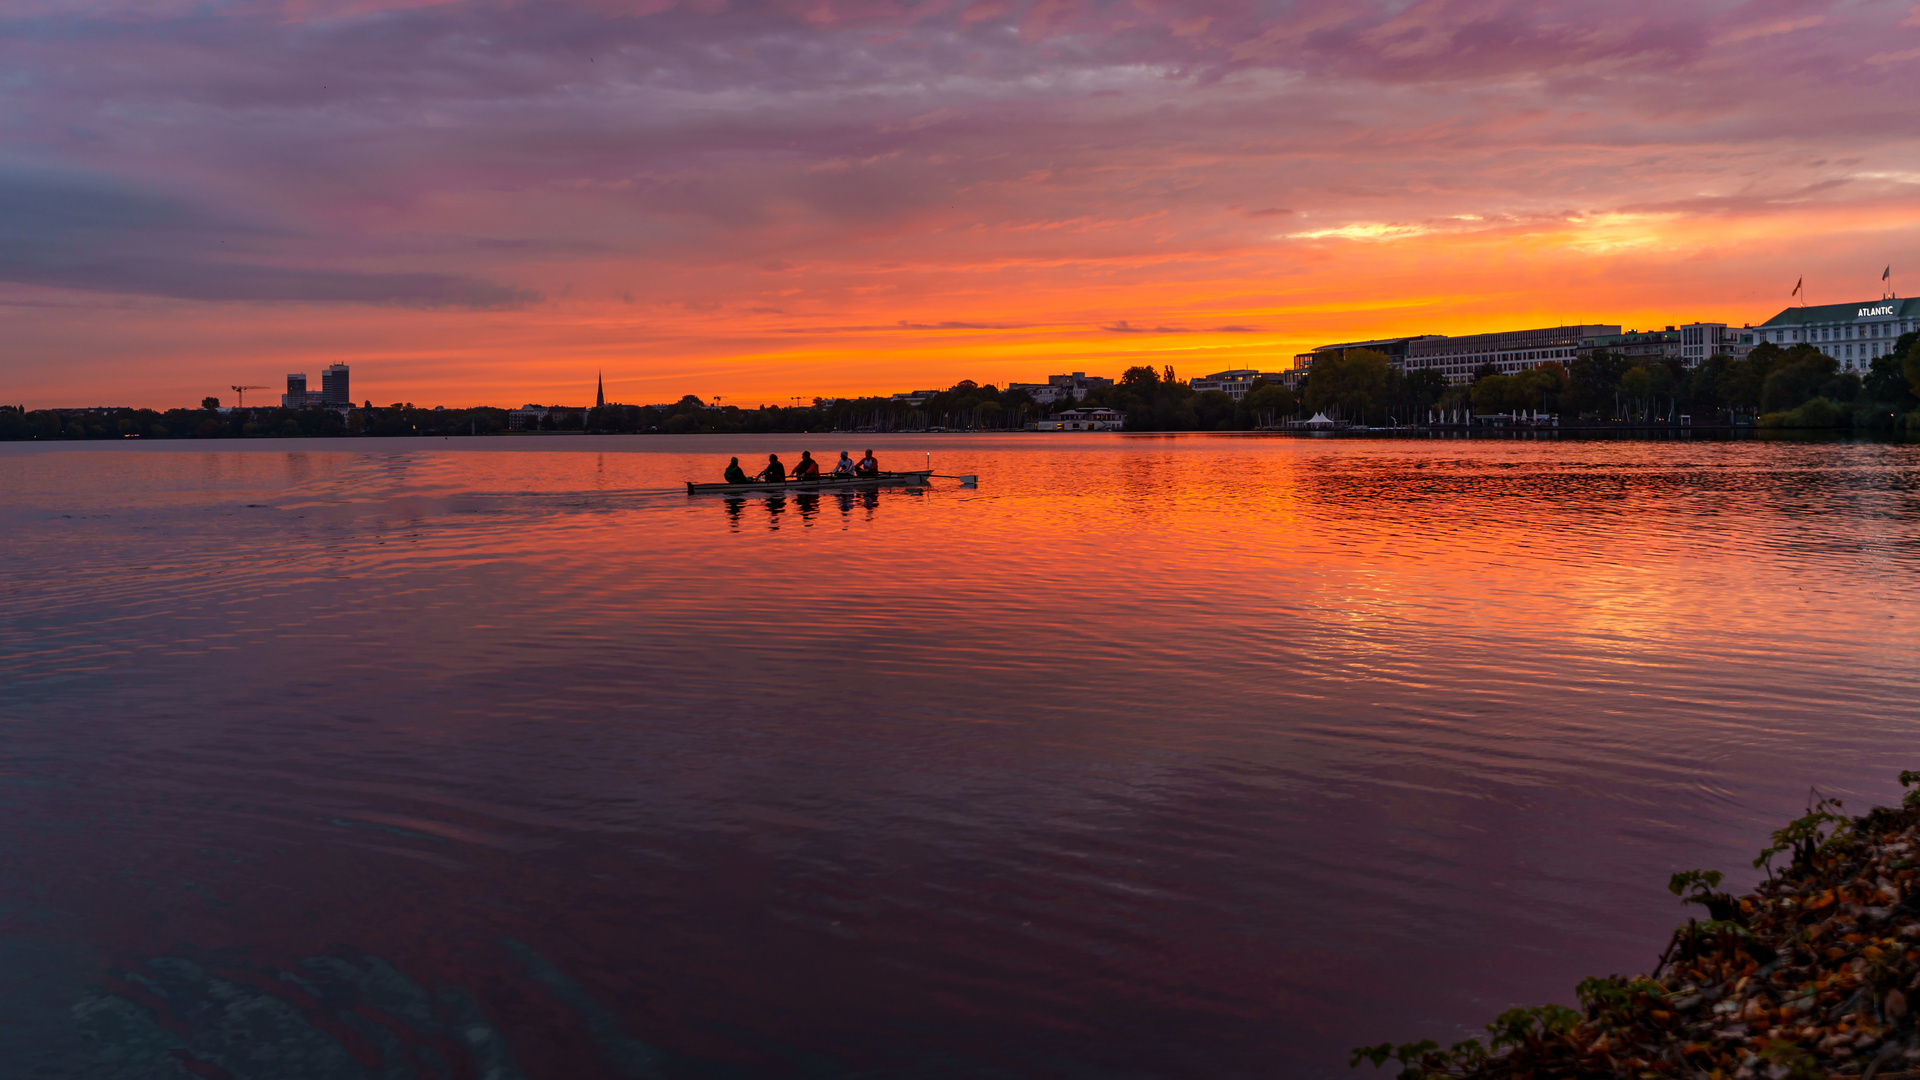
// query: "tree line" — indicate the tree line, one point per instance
point(1773, 386)
point(209, 422)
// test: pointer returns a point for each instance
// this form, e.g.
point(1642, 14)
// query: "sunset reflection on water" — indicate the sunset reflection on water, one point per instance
point(1147, 756)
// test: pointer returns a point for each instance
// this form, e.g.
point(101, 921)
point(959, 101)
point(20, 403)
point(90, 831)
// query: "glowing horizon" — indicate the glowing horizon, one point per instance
point(490, 202)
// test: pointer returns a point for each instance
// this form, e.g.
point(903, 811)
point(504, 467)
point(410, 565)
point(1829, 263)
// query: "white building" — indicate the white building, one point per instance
point(528, 417)
point(1701, 340)
point(1062, 387)
point(1853, 334)
point(1236, 382)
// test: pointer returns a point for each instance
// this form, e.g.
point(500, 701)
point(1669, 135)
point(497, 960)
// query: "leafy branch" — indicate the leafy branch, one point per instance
point(1616, 1001)
point(1817, 834)
point(1527, 1028)
point(1719, 905)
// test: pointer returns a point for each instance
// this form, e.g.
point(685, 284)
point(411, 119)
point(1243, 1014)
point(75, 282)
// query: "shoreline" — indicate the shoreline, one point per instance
point(1813, 974)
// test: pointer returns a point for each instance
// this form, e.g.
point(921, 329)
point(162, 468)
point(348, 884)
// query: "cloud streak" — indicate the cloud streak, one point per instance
point(1126, 327)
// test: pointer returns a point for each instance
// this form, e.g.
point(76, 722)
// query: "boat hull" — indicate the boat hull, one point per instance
point(824, 483)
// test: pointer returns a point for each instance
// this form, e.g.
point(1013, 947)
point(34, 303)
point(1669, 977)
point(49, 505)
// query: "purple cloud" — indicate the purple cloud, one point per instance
point(80, 232)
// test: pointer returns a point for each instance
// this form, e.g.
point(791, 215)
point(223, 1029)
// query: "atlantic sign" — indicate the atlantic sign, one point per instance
point(1883, 309)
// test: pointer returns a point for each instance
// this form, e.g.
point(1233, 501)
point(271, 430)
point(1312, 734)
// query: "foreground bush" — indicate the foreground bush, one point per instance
point(1818, 413)
point(1807, 976)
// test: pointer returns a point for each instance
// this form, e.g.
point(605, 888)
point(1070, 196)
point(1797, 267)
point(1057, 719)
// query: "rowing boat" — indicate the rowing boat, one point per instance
point(824, 483)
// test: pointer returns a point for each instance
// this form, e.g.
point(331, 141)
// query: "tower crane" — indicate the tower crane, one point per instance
point(242, 391)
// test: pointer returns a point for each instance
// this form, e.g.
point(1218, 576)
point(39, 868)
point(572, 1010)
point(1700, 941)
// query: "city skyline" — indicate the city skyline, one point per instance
point(771, 200)
point(1857, 335)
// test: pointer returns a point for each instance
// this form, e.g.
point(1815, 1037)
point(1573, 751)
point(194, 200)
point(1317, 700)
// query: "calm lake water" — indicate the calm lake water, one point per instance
point(1152, 756)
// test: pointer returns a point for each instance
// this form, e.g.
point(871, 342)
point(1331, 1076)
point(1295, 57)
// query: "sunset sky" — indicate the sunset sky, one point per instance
point(486, 202)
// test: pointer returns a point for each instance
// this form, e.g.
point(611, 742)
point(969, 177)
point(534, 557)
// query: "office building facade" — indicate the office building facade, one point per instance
point(296, 395)
point(1689, 344)
point(1853, 334)
point(1394, 349)
point(1701, 340)
point(1507, 351)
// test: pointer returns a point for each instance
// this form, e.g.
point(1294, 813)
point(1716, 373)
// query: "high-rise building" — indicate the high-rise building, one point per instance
point(333, 386)
point(296, 395)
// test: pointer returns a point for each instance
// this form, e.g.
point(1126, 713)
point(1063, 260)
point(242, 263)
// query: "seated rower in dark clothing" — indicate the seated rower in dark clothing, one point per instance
point(807, 469)
point(774, 473)
point(735, 474)
point(867, 466)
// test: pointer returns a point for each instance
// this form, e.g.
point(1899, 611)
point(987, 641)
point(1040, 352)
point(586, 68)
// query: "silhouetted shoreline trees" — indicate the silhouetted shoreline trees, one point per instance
point(1773, 387)
point(1361, 386)
point(210, 422)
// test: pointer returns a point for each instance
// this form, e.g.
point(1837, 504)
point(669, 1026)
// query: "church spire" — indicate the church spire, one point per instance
point(600, 391)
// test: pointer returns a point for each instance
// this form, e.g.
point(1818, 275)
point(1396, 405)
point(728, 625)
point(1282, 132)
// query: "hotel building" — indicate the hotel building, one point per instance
point(1853, 334)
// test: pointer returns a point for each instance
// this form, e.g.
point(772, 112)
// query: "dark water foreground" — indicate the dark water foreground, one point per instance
point(1150, 757)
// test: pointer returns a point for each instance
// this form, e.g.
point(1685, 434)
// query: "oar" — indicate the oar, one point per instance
point(967, 481)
